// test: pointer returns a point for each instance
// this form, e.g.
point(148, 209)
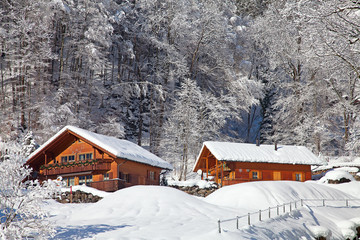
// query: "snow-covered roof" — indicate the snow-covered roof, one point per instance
point(245, 152)
point(118, 147)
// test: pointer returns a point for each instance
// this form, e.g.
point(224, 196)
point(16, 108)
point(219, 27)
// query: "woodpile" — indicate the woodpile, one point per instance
point(78, 197)
point(196, 191)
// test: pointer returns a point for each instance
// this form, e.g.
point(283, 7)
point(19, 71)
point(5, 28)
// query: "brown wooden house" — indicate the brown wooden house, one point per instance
point(106, 163)
point(230, 163)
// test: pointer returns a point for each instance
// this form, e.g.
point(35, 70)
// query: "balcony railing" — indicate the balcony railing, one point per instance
point(76, 166)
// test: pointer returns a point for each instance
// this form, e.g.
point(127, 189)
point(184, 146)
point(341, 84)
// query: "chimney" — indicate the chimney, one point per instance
point(257, 142)
point(275, 145)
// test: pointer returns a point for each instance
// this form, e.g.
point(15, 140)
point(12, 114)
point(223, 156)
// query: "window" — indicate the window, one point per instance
point(106, 176)
point(85, 156)
point(64, 159)
point(69, 181)
point(151, 175)
point(85, 180)
point(82, 180)
point(88, 180)
point(298, 177)
point(127, 178)
point(256, 175)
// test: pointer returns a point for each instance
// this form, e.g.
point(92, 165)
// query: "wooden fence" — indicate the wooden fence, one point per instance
point(288, 207)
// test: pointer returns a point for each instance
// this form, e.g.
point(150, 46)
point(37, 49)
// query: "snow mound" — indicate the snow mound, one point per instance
point(157, 212)
point(191, 183)
point(261, 195)
point(319, 231)
point(348, 229)
point(143, 211)
point(347, 169)
point(336, 176)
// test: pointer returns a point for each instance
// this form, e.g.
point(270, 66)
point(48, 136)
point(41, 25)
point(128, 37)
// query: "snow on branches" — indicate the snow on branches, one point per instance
point(21, 202)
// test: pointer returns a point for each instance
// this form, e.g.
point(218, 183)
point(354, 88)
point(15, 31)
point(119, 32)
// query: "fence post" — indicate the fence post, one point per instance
point(295, 205)
point(302, 203)
point(260, 215)
point(347, 202)
point(248, 218)
point(290, 207)
point(277, 209)
point(269, 212)
point(284, 207)
point(219, 226)
point(323, 202)
point(237, 222)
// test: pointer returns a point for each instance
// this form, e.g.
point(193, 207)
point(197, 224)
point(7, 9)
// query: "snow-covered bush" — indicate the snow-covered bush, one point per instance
point(348, 229)
point(21, 201)
point(337, 176)
point(319, 231)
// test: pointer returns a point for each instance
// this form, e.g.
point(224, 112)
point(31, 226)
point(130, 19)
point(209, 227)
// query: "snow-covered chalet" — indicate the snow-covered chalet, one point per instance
point(103, 162)
point(229, 163)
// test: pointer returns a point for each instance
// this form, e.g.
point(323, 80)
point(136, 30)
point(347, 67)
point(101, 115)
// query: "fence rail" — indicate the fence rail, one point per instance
point(283, 208)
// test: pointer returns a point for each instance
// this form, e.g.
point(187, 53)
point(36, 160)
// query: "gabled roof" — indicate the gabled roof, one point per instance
point(113, 146)
point(245, 152)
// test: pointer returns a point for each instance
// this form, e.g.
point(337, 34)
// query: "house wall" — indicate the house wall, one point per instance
point(243, 172)
point(136, 173)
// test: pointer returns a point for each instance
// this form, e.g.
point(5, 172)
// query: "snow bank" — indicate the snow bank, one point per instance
point(348, 229)
point(86, 189)
point(343, 161)
point(156, 212)
point(261, 195)
point(350, 188)
point(336, 176)
point(146, 212)
point(319, 231)
point(191, 183)
point(347, 169)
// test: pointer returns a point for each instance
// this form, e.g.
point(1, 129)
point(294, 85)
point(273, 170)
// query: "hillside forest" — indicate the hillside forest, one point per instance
point(170, 74)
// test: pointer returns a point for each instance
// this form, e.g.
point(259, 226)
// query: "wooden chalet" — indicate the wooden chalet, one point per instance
point(106, 163)
point(230, 163)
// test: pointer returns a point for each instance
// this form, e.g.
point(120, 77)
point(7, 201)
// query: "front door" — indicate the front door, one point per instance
point(277, 176)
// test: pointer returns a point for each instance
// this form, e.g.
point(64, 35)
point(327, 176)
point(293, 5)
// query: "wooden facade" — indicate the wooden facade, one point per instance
point(228, 172)
point(79, 161)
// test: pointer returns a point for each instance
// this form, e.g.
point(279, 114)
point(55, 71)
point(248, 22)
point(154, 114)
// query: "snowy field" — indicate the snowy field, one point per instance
point(155, 212)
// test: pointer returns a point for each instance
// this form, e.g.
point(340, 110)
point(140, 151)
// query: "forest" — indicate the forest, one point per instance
point(170, 74)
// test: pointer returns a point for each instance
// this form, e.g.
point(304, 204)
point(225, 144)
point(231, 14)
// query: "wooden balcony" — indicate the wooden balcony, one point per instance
point(76, 167)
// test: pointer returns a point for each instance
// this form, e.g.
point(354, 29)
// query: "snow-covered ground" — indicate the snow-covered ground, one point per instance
point(155, 212)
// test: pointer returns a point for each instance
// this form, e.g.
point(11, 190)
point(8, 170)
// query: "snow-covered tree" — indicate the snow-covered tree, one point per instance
point(184, 128)
point(22, 213)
